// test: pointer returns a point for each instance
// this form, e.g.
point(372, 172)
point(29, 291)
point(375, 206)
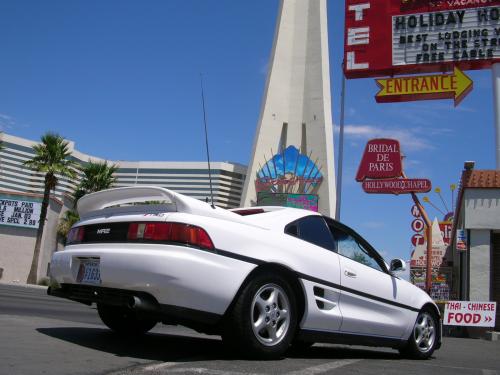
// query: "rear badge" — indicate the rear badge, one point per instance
point(104, 231)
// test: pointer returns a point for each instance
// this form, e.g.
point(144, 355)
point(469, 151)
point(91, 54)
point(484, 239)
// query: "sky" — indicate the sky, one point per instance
point(121, 78)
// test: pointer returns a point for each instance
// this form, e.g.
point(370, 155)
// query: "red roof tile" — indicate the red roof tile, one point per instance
point(481, 179)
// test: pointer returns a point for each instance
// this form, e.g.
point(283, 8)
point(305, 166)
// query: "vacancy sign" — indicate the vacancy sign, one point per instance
point(442, 86)
point(470, 313)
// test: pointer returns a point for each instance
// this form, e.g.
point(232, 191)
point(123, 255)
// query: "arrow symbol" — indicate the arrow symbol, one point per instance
point(454, 86)
point(488, 319)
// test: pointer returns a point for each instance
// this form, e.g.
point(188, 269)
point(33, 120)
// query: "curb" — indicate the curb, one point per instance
point(25, 286)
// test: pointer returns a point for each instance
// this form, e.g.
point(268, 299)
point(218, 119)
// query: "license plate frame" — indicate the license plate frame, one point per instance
point(89, 272)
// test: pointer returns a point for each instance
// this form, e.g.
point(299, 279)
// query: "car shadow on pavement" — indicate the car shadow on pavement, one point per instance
point(172, 348)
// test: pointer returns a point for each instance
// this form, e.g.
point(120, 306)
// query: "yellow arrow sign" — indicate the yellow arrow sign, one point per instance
point(443, 86)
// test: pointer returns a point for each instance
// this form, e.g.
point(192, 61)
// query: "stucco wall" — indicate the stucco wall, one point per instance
point(480, 269)
point(482, 208)
point(17, 245)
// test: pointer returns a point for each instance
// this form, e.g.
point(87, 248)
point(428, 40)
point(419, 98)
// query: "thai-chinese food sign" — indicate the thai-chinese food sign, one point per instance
point(394, 37)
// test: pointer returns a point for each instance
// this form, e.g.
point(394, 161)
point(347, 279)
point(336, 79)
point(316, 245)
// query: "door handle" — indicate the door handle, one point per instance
point(349, 273)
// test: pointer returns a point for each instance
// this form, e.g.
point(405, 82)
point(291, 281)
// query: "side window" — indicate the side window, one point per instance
point(312, 229)
point(349, 247)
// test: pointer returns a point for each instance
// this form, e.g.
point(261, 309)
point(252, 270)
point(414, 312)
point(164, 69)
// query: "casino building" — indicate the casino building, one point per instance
point(21, 191)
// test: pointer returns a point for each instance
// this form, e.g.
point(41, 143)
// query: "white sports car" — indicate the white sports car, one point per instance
point(264, 278)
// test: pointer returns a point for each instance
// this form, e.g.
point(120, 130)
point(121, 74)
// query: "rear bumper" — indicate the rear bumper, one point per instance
point(148, 305)
point(176, 276)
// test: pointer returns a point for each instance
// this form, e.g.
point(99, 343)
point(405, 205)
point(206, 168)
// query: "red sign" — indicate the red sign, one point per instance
point(381, 159)
point(446, 232)
point(415, 212)
point(417, 239)
point(397, 186)
point(470, 313)
point(417, 225)
point(393, 37)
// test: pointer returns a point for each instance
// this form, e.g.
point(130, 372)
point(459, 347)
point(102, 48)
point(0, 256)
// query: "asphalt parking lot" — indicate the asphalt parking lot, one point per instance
point(44, 335)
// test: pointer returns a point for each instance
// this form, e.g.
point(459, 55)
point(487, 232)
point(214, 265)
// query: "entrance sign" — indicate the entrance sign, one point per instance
point(20, 213)
point(443, 86)
point(470, 313)
point(385, 38)
point(381, 159)
point(397, 186)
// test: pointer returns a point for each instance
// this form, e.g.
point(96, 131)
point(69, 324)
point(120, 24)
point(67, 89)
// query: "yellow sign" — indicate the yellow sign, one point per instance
point(442, 86)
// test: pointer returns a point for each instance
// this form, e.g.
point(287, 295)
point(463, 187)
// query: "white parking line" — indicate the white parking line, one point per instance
point(160, 366)
point(320, 369)
point(314, 370)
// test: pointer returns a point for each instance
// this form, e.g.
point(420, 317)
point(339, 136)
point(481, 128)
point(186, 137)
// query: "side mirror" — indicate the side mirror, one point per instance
point(397, 265)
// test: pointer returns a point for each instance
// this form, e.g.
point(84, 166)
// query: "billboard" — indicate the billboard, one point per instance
point(394, 37)
point(304, 201)
point(20, 213)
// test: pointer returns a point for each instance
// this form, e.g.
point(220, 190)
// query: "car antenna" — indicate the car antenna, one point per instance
point(206, 142)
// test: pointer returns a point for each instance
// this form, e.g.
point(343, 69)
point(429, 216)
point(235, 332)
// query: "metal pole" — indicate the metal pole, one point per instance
point(495, 69)
point(428, 224)
point(341, 148)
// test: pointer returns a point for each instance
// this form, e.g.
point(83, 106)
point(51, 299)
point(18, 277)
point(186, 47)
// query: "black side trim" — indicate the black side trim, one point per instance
point(243, 258)
point(319, 281)
point(357, 292)
point(184, 315)
point(349, 339)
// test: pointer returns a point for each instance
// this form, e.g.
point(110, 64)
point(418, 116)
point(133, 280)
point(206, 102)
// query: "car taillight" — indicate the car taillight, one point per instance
point(75, 235)
point(170, 232)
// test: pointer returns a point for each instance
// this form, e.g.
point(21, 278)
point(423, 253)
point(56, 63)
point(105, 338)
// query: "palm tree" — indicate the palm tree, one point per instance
point(67, 221)
point(52, 158)
point(97, 176)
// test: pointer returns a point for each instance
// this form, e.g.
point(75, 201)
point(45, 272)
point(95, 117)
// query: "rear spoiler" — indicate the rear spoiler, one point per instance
point(135, 194)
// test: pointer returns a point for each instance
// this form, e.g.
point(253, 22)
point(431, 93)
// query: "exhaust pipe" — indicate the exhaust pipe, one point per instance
point(143, 305)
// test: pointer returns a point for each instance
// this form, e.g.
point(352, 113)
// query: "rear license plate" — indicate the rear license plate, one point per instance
point(89, 272)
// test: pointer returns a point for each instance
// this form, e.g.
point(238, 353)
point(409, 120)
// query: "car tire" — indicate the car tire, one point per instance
point(124, 321)
point(263, 320)
point(424, 336)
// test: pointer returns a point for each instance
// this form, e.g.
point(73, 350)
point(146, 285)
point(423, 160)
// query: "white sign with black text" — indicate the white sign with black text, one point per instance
point(470, 313)
point(458, 35)
point(20, 213)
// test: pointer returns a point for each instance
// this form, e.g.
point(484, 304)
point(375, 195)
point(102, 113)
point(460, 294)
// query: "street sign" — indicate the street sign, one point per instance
point(381, 159)
point(470, 313)
point(397, 186)
point(417, 225)
point(415, 212)
point(461, 243)
point(417, 239)
point(443, 86)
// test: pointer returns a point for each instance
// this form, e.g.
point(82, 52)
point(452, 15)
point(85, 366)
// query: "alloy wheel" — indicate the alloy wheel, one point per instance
point(270, 314)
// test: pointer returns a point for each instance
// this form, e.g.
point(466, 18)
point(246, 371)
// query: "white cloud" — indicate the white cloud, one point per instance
point(373, 224)
point(409, 138)
point(6, 122)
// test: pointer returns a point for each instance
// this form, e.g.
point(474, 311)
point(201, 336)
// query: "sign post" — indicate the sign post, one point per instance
point(381, 171)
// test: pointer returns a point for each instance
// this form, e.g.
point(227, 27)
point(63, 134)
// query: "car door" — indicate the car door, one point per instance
point(370, 301)
point(320, 273)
